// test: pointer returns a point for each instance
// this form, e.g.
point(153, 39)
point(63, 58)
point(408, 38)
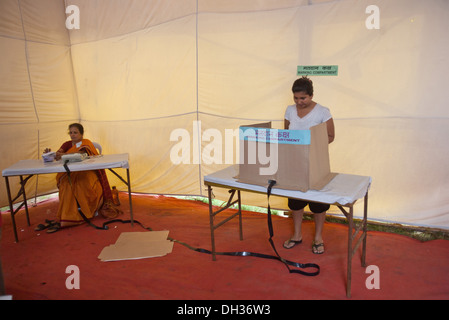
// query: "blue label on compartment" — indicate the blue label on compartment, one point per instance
point(301, 137)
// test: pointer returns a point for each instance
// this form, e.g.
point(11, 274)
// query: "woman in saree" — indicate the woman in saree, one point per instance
point(88, 189)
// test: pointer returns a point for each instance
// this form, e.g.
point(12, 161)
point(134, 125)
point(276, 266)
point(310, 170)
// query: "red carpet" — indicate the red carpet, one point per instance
point(35, 267)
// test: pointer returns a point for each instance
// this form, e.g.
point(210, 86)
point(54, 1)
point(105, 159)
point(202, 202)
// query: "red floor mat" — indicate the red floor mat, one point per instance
point(35, 267)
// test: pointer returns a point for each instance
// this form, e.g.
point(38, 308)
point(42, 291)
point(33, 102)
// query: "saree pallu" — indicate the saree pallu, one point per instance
point(90, 188)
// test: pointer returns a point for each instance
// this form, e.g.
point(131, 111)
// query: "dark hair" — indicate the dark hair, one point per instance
point(77, 125)
point(303, 84)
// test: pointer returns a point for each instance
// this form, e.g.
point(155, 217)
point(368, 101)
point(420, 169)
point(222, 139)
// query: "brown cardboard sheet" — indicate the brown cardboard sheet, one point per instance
point(138, 245)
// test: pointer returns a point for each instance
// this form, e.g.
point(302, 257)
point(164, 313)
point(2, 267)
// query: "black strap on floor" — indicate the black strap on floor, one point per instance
point(287, 263)
point(236, 254)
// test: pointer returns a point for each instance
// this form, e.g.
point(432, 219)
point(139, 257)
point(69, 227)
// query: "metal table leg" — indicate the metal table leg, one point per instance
point(212, 215)
point(128, 183)
point(349, 262)
point(352, 234)
point(129, 198)
point(211, 220)
point(24, 203)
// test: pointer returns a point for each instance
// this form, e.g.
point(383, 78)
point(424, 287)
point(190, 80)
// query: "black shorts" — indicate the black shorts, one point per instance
point(295, 204)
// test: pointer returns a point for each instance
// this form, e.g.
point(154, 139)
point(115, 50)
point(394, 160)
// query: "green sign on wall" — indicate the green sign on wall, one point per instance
point(317, 71)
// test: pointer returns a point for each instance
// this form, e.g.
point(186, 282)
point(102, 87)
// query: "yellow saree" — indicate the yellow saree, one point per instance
point(91, 189)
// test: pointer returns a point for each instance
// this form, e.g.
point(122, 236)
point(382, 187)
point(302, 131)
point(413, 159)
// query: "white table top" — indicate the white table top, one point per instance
point(25, 167)
point(344, 189)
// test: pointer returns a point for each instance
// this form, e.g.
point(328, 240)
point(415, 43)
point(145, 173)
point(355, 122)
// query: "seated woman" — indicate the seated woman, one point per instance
point(88, 189)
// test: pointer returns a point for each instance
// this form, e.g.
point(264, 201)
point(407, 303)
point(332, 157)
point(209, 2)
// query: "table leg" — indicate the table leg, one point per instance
point(22, 184)
point(11, 209)
point(24, 203)
point(240, 215)
point(365, 226)
point(129, 197)
point(128, 183)
point(350, 251)
point(211, 219)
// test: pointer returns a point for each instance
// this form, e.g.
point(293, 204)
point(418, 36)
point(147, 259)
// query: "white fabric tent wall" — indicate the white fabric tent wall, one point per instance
point(136, 71)
point(37, 89)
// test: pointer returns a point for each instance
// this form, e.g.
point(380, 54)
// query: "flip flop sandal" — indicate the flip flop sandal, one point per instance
point(316, 246)
point(291, 243)
point(55, 227)
point(48, 224)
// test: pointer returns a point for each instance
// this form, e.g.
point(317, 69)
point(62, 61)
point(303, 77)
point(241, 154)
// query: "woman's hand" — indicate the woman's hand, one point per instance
point(58, 155)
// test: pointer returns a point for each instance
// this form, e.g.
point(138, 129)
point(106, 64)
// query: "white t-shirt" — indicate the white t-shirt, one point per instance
point(319, 114)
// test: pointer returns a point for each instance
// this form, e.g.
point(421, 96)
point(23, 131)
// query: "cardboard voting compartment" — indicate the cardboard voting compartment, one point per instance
point(296, 159)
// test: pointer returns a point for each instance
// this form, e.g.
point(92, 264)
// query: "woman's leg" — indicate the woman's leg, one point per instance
point(319, 216)
point(318, 243)
point(296, 238)
point(297, 210)
point(297, 223)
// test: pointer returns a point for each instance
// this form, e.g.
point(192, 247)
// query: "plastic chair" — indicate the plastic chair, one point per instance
point(97, 146)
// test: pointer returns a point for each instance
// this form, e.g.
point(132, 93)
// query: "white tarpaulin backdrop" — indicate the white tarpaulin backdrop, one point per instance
point(137, 70)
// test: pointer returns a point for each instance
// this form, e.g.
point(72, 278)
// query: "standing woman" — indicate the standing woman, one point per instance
point(89, 189)
point(306, 113)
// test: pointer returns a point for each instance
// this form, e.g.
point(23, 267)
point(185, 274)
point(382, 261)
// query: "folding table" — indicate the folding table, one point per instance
point(30, 168)
point(343, 191)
